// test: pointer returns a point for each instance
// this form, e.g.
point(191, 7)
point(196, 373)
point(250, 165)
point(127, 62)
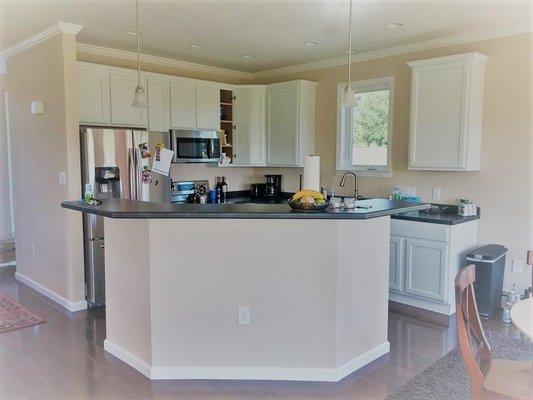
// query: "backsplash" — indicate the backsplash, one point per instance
point(237, 178)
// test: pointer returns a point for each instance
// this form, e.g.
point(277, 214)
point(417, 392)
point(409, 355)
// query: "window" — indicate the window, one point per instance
point(364, 131)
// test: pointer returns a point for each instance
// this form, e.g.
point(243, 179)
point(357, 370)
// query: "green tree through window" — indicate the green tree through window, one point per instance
point(371, 118)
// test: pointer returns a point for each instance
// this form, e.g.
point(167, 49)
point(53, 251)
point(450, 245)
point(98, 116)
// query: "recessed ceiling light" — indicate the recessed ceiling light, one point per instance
point(312, 43)
point(394, 24)
point(248, 56)
point(132, 33)
point(198, 45)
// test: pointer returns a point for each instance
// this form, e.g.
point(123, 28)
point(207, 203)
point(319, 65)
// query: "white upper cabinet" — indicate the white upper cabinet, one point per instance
point(183, 104)
point(446, 113)
point(93, 96)
point(256, 124)
point(123, 86)
point(159, 100)
point(291, 118)
point(249, 126)
point(207, 107)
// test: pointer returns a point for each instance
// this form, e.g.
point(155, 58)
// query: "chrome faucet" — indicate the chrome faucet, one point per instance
point(343, 181)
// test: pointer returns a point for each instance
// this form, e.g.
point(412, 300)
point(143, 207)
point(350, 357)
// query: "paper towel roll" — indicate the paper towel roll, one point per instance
point(311, 179)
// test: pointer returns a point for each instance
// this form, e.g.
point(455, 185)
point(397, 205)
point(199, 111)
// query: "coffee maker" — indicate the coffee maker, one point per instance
point(273, 187)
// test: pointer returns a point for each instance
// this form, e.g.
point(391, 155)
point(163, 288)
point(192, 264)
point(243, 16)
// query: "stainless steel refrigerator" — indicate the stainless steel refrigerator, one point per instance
point(112, 162)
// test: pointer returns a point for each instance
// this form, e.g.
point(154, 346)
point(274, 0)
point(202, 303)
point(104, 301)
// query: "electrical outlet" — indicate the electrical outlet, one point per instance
point(63, 178)
point(244, 315)
point(436, 193)
point(517, 266)
point(32, 246)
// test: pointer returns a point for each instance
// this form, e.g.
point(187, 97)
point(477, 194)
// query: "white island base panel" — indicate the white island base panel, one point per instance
point(317, 292)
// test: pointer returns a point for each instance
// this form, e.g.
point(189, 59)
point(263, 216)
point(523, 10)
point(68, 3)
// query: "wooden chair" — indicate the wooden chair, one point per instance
point(490, 379)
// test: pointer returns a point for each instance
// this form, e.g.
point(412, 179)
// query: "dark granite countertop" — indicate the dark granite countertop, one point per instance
point(438, 214)
point(126, 208)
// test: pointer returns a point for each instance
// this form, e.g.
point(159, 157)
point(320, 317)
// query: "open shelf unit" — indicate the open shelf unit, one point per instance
point(226, 121)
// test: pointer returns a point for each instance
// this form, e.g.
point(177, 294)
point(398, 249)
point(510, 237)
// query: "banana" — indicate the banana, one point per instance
point(302, 193)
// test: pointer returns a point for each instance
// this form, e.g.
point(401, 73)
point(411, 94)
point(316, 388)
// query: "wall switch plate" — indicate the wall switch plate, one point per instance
point(436, 193)
point(63, 178)
point(244, 315)
point(32, 246)
point(517, 266)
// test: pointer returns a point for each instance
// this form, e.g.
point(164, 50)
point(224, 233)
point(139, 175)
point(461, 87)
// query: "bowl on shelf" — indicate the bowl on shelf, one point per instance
point(312, 207)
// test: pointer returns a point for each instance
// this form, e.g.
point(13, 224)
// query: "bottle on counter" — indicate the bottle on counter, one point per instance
point(218, 188)
point(224, 190)
point(88, 193)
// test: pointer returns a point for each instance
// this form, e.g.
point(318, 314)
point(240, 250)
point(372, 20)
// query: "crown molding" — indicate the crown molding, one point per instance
point(404, 49)
point(131, 55)
point(52, 30)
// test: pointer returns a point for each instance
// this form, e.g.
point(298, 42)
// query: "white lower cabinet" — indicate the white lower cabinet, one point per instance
point(426, 264)
point(397, 244)
point(424, 260)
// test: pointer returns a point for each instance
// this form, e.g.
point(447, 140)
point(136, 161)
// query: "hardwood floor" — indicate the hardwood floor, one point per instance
point(64, 359)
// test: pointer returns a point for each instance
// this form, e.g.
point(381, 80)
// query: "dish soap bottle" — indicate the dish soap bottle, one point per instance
point(88, 193)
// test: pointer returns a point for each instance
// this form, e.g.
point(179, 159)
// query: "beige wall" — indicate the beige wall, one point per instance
point(5, 214)
point(42, 146)
point(503, 185)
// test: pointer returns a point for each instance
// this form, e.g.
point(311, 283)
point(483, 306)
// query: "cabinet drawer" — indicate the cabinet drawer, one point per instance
point(420, 230)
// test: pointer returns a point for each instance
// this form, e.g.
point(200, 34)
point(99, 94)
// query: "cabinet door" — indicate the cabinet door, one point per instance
point(207, 107)
point(122, 92)
point(256, 126)
point(426, 264)
point(396, 263)
point(240, 127)
point(93, 96)
point(438, 138)
point(159, 99)
point(282, 125)
point(183, 104)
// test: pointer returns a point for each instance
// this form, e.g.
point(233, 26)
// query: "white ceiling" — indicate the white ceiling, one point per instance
point(272, 30)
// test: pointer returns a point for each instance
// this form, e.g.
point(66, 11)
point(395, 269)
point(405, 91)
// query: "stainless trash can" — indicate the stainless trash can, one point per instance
point(490, 265)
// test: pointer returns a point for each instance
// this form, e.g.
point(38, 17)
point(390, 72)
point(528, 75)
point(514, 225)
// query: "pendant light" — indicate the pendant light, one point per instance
point(348, 97)
point(141, 99)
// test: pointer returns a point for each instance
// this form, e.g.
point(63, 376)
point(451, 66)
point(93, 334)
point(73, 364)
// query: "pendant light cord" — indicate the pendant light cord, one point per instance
point(350, 47)
point(139, 42)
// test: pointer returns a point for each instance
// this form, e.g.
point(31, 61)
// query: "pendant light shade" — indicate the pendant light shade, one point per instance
point(348, 97)
point(141, 98)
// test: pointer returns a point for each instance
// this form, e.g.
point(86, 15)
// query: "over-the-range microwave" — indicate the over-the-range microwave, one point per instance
point(196, 146)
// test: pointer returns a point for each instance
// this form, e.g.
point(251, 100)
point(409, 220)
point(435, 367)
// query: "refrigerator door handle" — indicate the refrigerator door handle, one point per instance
point(133, 176)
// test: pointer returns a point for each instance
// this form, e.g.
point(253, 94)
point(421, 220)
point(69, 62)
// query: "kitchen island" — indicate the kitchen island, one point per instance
point(246, 291)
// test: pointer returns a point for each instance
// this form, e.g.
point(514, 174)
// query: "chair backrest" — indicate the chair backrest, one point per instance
point(472, 340)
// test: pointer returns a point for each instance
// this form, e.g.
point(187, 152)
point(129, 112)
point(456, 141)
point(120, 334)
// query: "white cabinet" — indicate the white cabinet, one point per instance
point(159, 100)
point(446, 113)
point(424, 260)
point(426, 264)
point(249, 130)
point(123, 86)
point(207, 107)
point(291, 118)
point(183, 104)
point(396, 265)
point(93, 96)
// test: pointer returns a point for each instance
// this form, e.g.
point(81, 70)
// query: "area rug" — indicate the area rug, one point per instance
point(447, 379)
point(13, 316)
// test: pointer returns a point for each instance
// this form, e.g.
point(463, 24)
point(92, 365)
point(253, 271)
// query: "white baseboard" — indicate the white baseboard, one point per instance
point(446, 309)
point(248, 373)
point(8, 264)
point(69, 305)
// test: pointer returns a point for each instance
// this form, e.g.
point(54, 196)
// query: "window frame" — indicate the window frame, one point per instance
point(344, 132)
